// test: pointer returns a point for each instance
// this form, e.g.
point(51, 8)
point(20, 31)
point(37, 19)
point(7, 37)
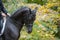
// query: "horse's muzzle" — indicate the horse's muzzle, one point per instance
point(29, 32)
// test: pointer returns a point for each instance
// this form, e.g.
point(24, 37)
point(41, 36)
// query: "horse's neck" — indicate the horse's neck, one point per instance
point(18, 23)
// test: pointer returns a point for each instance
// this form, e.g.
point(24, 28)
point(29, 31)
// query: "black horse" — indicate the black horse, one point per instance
point(23, 16)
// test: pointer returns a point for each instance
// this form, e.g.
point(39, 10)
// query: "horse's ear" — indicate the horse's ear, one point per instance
point(34, 11)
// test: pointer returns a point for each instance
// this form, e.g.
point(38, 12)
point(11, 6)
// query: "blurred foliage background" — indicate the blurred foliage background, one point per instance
point(47, 23)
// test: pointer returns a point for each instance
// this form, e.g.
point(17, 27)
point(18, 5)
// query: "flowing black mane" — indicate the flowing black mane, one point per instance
point(20, 12)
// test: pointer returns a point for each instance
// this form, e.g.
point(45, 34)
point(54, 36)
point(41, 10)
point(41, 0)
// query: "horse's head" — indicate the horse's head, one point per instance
point(29, 20)
point(26, 16)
